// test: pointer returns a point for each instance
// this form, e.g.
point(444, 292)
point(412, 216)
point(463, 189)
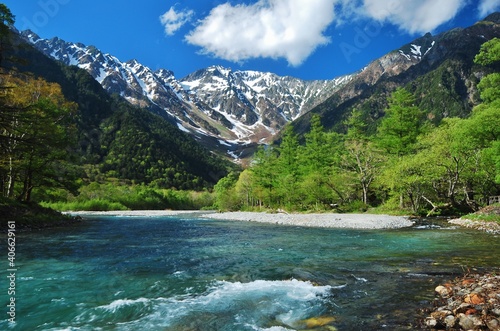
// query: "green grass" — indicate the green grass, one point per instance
point(89, 205)
point(487, 214)
point(483, 217)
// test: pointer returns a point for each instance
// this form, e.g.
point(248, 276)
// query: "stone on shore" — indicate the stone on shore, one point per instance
point(470, 303)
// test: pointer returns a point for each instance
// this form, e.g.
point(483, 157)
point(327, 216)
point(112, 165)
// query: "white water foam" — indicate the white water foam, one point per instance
point(258, 305)
point(117, 304)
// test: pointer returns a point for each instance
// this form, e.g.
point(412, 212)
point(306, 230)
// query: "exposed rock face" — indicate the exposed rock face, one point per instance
point(230, 109)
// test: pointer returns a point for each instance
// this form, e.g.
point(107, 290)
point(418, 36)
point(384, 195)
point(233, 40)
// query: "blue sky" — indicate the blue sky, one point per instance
point(308, 39)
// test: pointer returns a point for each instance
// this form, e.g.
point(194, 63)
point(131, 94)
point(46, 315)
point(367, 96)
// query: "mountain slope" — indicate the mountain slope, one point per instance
point(119, 140)
point(219, 106)
point(439, 70)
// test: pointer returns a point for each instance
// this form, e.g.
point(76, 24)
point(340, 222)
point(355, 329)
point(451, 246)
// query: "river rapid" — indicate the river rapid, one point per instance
point(183, 272)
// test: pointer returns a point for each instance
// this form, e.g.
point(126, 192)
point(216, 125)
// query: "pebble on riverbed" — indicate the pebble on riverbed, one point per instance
point(468, 303)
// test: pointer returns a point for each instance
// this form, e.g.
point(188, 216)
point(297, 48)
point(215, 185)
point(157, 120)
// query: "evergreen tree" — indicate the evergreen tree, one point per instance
point(315, 155)
point(400, 127)
point(6, 20)
point(266, 175)
point(287, 167)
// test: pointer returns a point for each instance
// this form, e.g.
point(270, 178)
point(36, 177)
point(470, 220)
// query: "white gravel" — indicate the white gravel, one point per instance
point(352, 221)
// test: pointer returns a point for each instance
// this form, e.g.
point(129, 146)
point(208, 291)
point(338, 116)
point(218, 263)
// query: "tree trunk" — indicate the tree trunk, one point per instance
point(10, 180)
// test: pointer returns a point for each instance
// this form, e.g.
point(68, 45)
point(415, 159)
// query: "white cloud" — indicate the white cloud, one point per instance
point(414, 16)
point(289, 29)
point(487, 7)
point(173, 21)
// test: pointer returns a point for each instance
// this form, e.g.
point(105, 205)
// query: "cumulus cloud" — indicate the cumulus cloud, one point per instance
point(289, 29)
point(173, 20)
point(414, 16)
point(487, 7)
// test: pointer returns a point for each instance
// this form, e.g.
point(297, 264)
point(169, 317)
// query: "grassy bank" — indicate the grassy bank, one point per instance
point(109, 197)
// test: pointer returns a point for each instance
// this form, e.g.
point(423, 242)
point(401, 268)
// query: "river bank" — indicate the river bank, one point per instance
point(31, 216)
point(489, 227)
point(486, 219)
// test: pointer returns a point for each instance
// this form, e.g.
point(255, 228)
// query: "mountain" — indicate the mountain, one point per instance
point(439, 70)
point(224, 109)
point(233, 111)
point(117, 140)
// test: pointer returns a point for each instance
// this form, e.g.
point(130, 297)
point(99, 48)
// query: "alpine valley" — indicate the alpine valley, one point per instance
point(217, 111)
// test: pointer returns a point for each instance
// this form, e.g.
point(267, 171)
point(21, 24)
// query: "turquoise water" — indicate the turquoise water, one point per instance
point(186, 273)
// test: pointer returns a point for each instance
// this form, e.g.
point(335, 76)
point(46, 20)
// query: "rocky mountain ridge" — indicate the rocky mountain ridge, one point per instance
point(220, 106)
point(233, 111)
point(442, 64)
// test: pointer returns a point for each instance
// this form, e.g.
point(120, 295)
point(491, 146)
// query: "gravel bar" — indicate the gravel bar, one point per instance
point(327, 220)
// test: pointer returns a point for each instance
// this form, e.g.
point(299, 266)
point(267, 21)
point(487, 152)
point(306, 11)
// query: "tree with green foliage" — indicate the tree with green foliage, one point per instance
point(316, 165)
point(315, 154)
point(266, 175)
point(287, 183)
point(401, 125)
point(489, 52)
point(225, 193)
point(245, 189)
point(485, 121)
point(489, 88)
point(37, 139)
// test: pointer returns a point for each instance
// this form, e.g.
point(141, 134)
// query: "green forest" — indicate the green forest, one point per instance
point(410, 164)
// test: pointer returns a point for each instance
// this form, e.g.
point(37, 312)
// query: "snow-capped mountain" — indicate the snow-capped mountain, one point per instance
point(230, 107)
point(254, 103)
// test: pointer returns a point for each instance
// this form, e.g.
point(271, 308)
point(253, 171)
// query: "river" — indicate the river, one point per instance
point(181, 273)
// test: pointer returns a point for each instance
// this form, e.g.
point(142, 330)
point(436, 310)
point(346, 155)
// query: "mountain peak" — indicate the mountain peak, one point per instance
point(30, 35)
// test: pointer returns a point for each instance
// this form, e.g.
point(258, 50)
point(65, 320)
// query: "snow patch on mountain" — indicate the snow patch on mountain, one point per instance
point(418, 49)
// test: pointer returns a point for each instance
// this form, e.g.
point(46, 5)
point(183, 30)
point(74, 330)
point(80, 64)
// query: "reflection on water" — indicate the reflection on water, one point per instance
point(170, 273)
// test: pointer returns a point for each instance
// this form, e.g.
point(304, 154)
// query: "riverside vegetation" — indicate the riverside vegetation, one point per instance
point(408, 164)
point(67, 144)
